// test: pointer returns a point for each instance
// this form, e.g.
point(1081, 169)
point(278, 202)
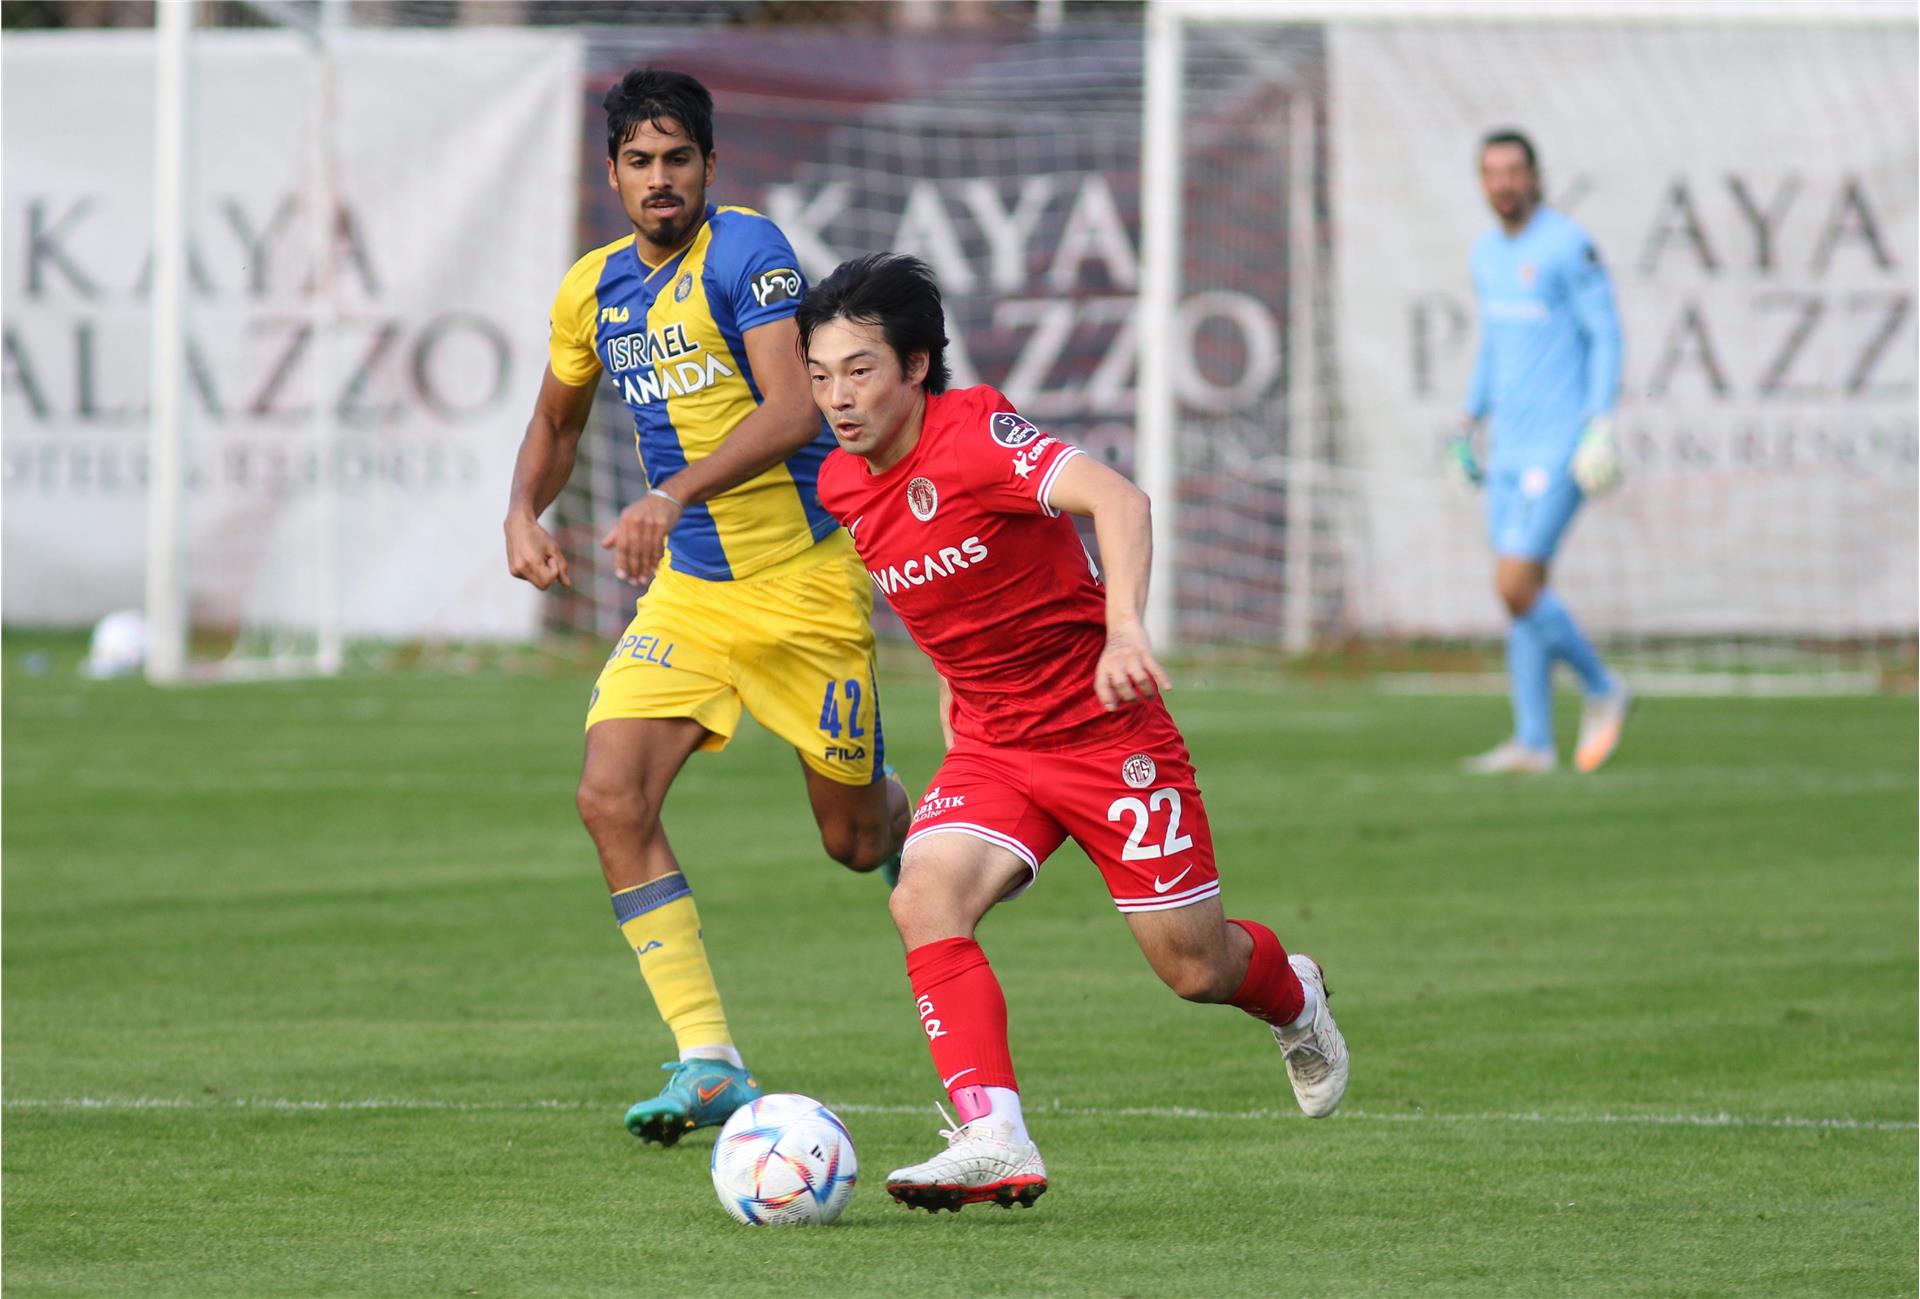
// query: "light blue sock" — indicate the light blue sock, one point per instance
point(1530, 674)
point(1554, 623)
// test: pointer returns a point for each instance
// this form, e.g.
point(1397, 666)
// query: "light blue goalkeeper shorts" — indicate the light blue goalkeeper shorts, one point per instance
point(1528, 510)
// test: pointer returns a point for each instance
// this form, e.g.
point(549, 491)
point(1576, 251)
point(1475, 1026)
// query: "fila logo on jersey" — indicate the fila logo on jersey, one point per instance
point(618, 315)
point(1010, 430)
point(1139, 771)
point(922, 499)
point(918, 572)
point(770, 287)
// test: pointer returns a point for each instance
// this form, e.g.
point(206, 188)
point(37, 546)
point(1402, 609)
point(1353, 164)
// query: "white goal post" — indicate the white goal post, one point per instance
point(308, 640)
point(166, 605)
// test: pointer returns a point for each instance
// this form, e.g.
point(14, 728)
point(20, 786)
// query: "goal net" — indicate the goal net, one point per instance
point(1750, 184)
point(1007, 158)
point(356, 232)
point(1312, 326)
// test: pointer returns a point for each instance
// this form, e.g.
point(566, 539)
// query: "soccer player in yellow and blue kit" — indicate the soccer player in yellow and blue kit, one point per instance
point(1547, 374)
point(754, 596)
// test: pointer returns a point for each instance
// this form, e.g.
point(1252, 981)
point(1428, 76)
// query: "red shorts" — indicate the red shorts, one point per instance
point(1131, 803)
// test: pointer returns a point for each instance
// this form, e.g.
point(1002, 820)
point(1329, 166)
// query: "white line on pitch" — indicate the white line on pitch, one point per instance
point(376, 1104)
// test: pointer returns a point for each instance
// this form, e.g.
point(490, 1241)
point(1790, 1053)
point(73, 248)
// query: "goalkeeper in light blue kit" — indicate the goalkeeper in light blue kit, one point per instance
point(1547, 373)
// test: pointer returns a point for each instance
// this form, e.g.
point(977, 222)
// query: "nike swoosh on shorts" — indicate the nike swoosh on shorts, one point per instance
point(1158, 887)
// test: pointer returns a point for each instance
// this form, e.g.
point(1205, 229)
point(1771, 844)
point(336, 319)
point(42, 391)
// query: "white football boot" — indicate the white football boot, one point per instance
point(1601, 721)
point(984, 1163)
point(1316, 1055)
point(1512, 758)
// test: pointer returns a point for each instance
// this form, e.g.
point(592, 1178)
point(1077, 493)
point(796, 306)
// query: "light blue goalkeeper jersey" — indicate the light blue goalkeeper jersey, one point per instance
point(1549, 341)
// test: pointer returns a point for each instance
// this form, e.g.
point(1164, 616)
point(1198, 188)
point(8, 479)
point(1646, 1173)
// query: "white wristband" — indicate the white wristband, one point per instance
point(655, 491)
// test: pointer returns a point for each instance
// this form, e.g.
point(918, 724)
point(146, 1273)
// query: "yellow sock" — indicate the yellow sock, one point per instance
point(662, 926)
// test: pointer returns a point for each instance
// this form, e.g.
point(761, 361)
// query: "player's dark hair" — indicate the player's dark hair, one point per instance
point(658, 96)
point(892, 290)
point(1508, 135)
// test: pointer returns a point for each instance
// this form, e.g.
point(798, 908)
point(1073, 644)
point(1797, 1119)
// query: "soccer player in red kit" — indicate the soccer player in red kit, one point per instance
point(1050, 704)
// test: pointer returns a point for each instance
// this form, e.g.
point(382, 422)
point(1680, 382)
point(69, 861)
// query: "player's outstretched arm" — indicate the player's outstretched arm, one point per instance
point(785, 420)
point(540, 470)
point(1123, 523)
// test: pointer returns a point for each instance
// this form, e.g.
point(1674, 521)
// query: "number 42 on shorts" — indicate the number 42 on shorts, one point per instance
point(830, 724)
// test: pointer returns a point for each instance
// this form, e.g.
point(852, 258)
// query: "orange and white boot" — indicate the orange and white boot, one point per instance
point(1601, 721)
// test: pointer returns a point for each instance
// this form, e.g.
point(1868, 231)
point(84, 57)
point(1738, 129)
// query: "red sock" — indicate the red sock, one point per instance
point(1271, 990)
point(964, 1014)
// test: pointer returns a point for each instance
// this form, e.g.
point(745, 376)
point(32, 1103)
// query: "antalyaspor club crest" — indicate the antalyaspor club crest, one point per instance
point(922, 499)
point(1139, 771)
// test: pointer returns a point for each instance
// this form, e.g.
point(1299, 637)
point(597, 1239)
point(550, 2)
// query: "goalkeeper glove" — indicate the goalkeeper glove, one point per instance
point(1596, 461)
point(1463, 466)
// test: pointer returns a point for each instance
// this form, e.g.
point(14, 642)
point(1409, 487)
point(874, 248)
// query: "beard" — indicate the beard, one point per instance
point(669, 231)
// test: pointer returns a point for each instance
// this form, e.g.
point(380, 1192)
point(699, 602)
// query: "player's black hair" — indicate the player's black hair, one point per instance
point(1509, 135)
point(892, 290)
point(656, 95)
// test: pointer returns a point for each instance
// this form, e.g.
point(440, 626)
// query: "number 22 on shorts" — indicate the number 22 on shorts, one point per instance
point(1141, 812)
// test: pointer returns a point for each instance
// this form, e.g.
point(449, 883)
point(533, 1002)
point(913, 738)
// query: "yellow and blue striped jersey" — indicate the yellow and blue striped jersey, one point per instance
point(671, 340)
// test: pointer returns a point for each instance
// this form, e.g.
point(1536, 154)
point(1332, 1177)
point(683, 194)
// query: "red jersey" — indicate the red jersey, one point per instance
point(990, 580)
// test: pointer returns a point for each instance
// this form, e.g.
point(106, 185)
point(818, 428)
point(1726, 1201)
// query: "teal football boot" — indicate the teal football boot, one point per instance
point(701, 1094)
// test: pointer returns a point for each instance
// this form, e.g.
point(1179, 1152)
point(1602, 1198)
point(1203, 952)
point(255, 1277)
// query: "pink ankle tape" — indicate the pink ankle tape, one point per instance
point(971, 1103)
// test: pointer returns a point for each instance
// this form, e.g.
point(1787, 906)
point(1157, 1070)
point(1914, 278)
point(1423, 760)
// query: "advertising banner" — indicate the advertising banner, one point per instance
point(1751, 189)
point(454, 160)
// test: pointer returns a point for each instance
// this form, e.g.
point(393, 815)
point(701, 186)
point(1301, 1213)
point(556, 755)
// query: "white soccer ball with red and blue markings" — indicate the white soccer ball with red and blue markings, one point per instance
point(784, 1160)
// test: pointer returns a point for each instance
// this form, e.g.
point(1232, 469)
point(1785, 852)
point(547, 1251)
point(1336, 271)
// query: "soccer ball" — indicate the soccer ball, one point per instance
point(119, 645)
point(784, 1161)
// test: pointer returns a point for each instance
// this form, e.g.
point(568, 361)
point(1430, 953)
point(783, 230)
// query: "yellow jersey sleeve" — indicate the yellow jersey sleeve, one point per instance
point(570, 349)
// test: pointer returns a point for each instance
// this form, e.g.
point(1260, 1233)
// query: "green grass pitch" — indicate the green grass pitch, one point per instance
point(313, 989)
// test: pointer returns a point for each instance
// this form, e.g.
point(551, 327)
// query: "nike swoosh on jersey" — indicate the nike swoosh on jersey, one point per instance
point(948, 1082)
point(1158, 887)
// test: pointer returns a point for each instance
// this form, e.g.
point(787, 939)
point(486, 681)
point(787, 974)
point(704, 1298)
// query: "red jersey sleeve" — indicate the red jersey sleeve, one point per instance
point(1007, 463)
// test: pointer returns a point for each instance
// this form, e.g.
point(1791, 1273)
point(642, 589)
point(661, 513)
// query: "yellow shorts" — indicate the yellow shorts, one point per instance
point(793, 645)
